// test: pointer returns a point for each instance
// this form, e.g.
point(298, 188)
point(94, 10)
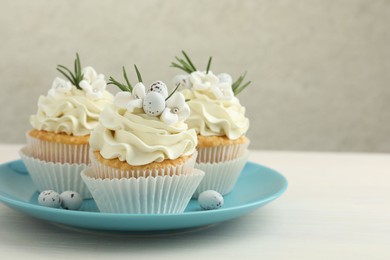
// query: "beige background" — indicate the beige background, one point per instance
point(320, 69)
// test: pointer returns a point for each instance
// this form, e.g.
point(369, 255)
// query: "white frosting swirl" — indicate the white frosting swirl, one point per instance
point(140, 139)
point(72, 113)
point(210, 116)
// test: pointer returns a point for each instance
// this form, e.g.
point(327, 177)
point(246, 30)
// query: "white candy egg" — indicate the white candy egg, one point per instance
point(210, 199)
point(71, 200)
point(159, 87)
point(225, 78)
point(49, 198)
point(154, 104)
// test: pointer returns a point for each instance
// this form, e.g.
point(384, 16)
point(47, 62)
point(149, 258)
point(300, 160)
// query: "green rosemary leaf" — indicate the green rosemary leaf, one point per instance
point(241, 88)
point(80, 78)
point(78, 63)
point(238, 82)
point(175, 65)
point(188, 60)
point(138, 73)
point(112, 81)
point(66, 76)
point(127, 79)
point(188, 100)
point(74, 77)
point(177, 86)
point(209, 64)
point(68, 70)
point(75, 69)
point(185, 64)
point(121, 86)
point(237, 86)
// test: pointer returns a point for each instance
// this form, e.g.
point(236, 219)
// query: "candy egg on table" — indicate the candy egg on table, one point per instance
point(159, 87)
point(71, 200)
point(154, 104)
point(210, 199)
point(49, 198)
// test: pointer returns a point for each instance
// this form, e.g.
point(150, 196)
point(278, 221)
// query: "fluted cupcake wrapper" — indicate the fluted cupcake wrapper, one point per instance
point(222, 153)
point(59, 177)
point(167, 194)
point(104, 171)
point(58, 152)
point(222, 176)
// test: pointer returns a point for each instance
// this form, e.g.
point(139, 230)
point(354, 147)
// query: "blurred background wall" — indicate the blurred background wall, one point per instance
point(320, 69)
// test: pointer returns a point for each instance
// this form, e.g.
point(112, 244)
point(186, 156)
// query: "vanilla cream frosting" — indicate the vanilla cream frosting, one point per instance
point(70, 112)
point(211, 116)
point(140, 139)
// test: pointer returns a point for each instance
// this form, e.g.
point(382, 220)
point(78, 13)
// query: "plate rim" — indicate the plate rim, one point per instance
point(23, 206)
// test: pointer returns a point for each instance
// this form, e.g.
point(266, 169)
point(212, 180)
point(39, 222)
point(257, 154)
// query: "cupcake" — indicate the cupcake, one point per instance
point(220, 122)
point(142, 152)
point(58, 144)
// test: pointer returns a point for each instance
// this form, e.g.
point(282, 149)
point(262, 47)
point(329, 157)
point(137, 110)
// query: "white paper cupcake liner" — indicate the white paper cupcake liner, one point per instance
point(58, 152)
point(103, 171)
point(221, 177)
point(55, 176)
point(221, 153)
point(151, 195)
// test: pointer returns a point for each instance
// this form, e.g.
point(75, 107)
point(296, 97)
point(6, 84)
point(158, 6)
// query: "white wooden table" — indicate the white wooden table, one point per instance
point(337, 206)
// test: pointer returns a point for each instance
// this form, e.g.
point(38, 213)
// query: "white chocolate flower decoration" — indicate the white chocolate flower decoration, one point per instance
point(93, 84)
point(60, 87)
point(176, 110)
point(224, 88)
point(223, 91)
point(225, 78)
point(132, 100)
point(203, 81)
point(182, 81)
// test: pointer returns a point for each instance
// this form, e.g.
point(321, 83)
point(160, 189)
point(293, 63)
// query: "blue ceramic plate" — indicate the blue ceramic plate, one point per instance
point(256, 187)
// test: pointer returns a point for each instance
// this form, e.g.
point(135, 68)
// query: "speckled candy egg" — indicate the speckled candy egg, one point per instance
point(159, 87)
point(49, 198)
point(210, 199)
point(71, 200)
point(154, 104)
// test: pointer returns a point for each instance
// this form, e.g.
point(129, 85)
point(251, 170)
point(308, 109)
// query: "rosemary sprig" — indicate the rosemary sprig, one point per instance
point(237, 86)
point(188, 60)
point(74, 77)
point(187, 65)
point(125, 86)
point(184, 64)
point(121, 86)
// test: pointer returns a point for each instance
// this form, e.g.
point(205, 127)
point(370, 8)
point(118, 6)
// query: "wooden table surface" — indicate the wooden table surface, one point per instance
point(337, 206)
